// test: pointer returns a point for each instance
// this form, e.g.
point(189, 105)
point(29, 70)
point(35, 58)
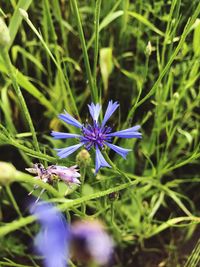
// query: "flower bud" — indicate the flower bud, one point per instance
point(113, 196)
point(7, 173)
point(149, 48)
point(83, 158)
point(4, 33)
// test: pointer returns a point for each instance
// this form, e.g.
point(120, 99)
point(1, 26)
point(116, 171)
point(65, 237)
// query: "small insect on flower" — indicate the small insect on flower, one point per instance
point(47, 175)
point(91, 243)
point(67, 175)
point(96, 135)
point(53, 172)
point(52, 242)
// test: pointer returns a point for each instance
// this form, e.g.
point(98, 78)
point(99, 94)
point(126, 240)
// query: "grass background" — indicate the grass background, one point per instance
point(144, 54)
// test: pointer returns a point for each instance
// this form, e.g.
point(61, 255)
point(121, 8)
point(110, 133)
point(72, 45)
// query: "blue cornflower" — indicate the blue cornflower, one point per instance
point(96, 135)
point(52, 242)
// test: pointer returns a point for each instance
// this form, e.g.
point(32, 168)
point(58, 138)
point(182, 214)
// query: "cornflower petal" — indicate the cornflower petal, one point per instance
point(121, 151)
point(60, 135)
point(128, 133)
point(65, 152)
point(70, 120)
point(109, 111)
point(100, 161)
point(52, 242)
point(94, 111)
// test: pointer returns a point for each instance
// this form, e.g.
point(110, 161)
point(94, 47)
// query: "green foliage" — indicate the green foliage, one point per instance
point(144, 54)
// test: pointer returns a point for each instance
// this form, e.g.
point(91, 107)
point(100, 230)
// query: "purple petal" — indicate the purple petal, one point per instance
point(109, 111)
point(65, 152)
point(67, 175)
point(59, 135)
point(94, 111)
point(52, 242)
point(121, 151)
point(100, 161)
point(70, 120)
point(94, 239)
point(128, 133)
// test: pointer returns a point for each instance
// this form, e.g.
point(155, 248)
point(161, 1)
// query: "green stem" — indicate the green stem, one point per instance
point(115, 167)
point(85, 54)
point(96, 42)
point(26, 178)
point(82, 179)
point(65, 78)
point(14, 203)
point(7, 61)
point(15, 225)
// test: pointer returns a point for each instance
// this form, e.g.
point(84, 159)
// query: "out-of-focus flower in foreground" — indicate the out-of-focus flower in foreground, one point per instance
point(87, 240)
point(67, 175)
point(96, 135)
point(91, 243)
point(52, 242)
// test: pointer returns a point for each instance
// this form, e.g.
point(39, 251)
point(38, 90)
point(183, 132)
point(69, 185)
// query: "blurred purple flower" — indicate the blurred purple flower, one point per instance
point(95, 135)
point(90, 242)
point(52, 242)
point(67, 175)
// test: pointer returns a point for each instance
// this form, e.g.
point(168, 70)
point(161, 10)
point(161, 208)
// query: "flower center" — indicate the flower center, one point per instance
point(95, 135)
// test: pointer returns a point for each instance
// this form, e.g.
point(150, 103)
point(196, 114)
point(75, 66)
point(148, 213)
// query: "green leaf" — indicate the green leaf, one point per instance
point(106, 65)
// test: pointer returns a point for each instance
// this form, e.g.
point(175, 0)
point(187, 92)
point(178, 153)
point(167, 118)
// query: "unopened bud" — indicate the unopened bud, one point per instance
point(113, 196)
point(149, 48)
point(4, 33)
point(176, 95)
point(7, 173)
point(83, 158)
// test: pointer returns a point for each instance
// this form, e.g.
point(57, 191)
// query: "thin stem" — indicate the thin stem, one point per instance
point(14, 203)
point(26, 178)
point(82, 178)
point(65, 77)
point(85, 54)
point(115, 167)
point(96, 42)
point(15, 225)
point(7, 61)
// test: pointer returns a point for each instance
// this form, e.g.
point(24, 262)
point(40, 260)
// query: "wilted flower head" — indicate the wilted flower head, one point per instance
point(67, 175)
point(96, 135)
point(52, 241)
point(90, 242)
point(47, 175)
